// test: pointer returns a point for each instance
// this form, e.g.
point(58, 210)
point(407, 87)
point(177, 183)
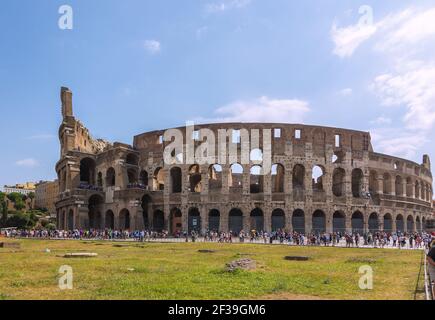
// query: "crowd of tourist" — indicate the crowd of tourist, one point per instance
point(376, 239)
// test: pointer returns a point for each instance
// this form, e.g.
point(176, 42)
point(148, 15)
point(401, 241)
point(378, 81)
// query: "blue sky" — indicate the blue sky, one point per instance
point(136, 66)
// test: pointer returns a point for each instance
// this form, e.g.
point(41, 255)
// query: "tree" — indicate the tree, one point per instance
point(4, 210)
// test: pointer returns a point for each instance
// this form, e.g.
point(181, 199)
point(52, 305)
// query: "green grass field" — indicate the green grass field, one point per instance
point(179, 271)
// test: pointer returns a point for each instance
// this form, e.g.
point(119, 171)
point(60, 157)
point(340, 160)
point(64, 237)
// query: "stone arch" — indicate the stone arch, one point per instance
point(132, 159)
point(145, 205)
point(418, 224)
point(388, 222)
point(357, 222)
point(110, 220)
point(387, 183)
point(194, 220)
point(373, 222)
point(319, 221)
point(357, 182)
point(70, 219)
point(298, 178)
point(143, 178)
point(124, 219)
point(338, 182)
point(100, 179)
point(215, 174)
point(195, 178)
point(176, 217)
point(278, 175)
point(235, 220)
point(373, 182)
point(132, 175)
point(400, 226)
point(298, 221)
point(410, 224)
point(398, 186)
point(159, 180)
point(236, 177)
point(176, 179)
point(158, 220)
point(339, 222)
point(278, 219)
point(317, 177)
point(110, 177)
point(409, 187)
point(214, 220)
point(94, 213)
point(257, 220)
point(256, 179)
point(87, 171)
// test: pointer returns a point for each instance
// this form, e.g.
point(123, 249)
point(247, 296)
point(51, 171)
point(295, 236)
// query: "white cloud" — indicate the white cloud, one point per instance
point(152, 46)
point(226, 5)
point(262, 109)
point(28, 163)
point(382, 120)
point(398, 142)
point(346, 92)
point(348, 39)
point(411, 87)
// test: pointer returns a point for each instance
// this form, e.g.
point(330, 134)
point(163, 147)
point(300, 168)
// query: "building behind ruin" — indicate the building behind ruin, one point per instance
point(322, 179)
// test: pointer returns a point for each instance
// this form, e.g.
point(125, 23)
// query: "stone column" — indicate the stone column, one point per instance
point(380, 180)
point(329, 222)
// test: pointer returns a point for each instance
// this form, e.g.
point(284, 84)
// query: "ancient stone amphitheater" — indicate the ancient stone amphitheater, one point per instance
point(322, 179)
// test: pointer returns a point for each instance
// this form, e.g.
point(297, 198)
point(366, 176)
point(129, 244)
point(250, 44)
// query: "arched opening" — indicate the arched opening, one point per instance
point(94, 214)
point(194, 220)
point(399, 223)
point(338, 188)
point(388, 223)
point(195, 179)
point(373, 222)
point(215, 177)
point(256, 179)
point(176, 221)
point(373, 182)
point(298, 221)
point(110, 177)
point(87, 171)
point(319, 221)
point(235, 220)
point(418, 224)
point(124, 219)
point(298, 177)
point(278, 220)
point(410, 224)
point(100, 179)
point(278, 178)
point(132, 176)
point(257, 220)
point(159, 180)
point(145, 204)
point(71, 220)
point(158, 221)
point(236, 178)
point(399, 186)
point(357, 222)
point(176, 179)
point(339, 222)
point(409, 187)
point(214, 220)
point(143, 178)
point(417, 190)
point(110, 220)
point(387, 183)
point(317, 178)
point(132, 159)
point(357, 183)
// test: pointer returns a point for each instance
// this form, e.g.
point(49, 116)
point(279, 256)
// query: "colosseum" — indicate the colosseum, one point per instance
point(321, 179)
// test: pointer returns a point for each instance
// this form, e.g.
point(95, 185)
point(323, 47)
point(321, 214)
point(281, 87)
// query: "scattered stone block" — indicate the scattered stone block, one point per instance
point(10, 245)
point(296, 258)
point(80, 255)
point(206, 251)
point(241, 264)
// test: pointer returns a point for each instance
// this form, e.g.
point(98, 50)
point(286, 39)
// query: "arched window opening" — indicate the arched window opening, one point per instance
point(195, 179)
point(215, 177)
point(256, 180)
point(110, 177)
point(298, 177)
point(317, 178)
point(357, 183)
point(277, 178)
point(338, 186)
point(159, 180)
point(176, 179)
